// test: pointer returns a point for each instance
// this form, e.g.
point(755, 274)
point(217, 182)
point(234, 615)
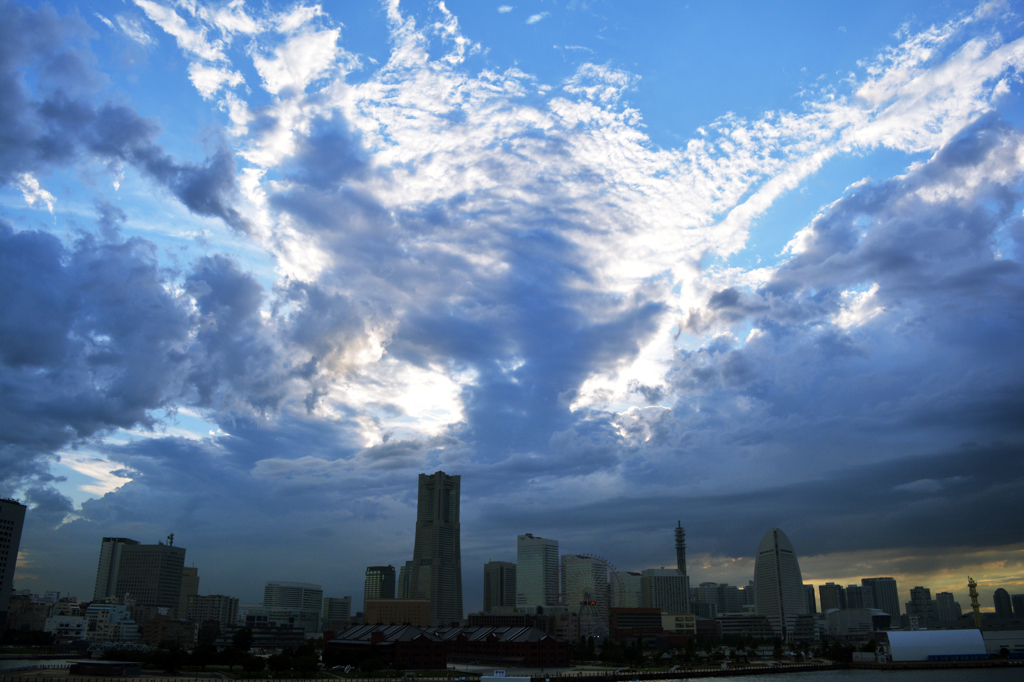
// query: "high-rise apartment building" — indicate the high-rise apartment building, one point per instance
point(295, 604)
point(189, 588)
point(779, 585)
point(666, 589)
point(923, 606)
point(379, 583)
point(499, 585)
point(404, 576)
point(859, 597)
point(947, 607)
point(536, 571)
point(106, 572)
point(812, 603)
point(1017, 601)
point(832, 597)
point(12, 519)
point(884, 595)
point(437, 554)
point(150, 575)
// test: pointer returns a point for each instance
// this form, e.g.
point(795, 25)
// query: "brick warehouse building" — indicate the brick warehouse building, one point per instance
point(434, 648)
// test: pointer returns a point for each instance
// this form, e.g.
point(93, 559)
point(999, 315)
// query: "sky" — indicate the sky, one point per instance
point(733, 264)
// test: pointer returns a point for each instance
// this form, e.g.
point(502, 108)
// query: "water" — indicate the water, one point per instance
point(964, 675)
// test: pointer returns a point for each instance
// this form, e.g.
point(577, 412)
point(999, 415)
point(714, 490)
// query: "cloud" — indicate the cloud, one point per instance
point(505, 9)
point(534, 18)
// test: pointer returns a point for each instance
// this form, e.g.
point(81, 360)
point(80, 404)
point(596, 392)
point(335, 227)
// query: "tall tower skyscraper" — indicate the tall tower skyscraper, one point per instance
point(437, 554)
point(12, 518)
point(151, 575)
point(536, 571)
point(680, 548)
point(379, 583)
point(499, 585)
point(106, 572)
point(779, 585)
point(885, 595)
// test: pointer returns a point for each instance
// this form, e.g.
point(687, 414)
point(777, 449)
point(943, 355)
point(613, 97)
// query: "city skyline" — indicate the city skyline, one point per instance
point(728, 265)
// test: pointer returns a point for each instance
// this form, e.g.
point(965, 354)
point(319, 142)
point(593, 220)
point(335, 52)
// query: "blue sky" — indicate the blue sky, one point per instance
point(739, 265)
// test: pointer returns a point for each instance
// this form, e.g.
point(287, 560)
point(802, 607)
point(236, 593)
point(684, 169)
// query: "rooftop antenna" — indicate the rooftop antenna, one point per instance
point(170, 539)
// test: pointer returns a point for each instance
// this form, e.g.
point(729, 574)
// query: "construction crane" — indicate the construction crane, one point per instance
point(972, 587)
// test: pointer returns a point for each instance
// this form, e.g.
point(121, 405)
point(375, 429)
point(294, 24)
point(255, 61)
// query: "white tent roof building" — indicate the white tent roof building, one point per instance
point(919, 645)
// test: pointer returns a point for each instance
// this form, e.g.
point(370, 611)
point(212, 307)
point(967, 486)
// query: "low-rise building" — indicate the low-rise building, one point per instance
point(398, 612)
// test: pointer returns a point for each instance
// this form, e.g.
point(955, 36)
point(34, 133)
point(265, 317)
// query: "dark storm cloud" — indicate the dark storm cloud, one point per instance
point(60, 124)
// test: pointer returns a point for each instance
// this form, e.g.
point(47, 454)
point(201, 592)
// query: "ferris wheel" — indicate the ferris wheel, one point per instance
point(588, 582)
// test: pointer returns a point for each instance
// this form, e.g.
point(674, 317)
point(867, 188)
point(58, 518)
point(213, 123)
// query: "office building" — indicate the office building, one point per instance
point(106, 572)
point(12, 519)
point(832, 597)
point(379, 583)
point(922, 606)
point(437, 554)
point(212, 607)
point(536, 571)
point(499, 586)
point(947, 607)
point(1001, 600)
point(626, 590)
point(294, 604)
point(812, 602)
point(189, 588)
point(1017, 601)
point(404, 575)
point(150, 576)
point(884, 595)
point(337, 613)
point(778, 583)
point(665, 589)
point(859, 597)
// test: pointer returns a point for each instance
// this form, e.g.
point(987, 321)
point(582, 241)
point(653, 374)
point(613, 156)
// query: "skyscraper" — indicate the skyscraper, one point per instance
point(1003, 604)
point(832, 597)
point(948, 608)
point(923, 606)
point(536, 571)
point(667, 589)
point(404, 576)
point(150, 575)
point(499, 585)
point(885, 595)
point(12, 518)
point(106, 572)
point(812, 603)
point(379, 583)
point(1017, 600)
point(680, 548)
point(859, 597)
point(779, 587)
point(437, 554)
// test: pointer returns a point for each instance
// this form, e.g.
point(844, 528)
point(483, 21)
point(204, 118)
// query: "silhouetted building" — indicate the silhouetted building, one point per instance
point(779, 583)
point(832, 597)
point(379, 583)
point(922, 606)
point(859, 597)
point(12, 519)
point(680, 548)
point(629, 623)
point(212, 607)
point(1004, 607)
point(665, 589)
point(337, 613)
point(947, 607)
point(627, 592)
point(150, 576)
point(536, 571)
point(404, 576)
point(293, 604)
point(398, 612)
point(499, 585)
point(437, 555)
point(1018, 605)
point(106, 571)
point(812, 603)
point(884, 595)
point(189, 588)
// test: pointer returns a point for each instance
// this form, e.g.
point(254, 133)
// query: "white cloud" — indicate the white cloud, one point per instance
point(133, 29)
point(190, 40)
point(505, 9)
point(534, 18)
point(208, 80)
point(33, 192)
point(301, 60)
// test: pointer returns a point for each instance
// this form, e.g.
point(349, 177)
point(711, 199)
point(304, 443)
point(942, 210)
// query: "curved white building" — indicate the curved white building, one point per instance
point(778, 584)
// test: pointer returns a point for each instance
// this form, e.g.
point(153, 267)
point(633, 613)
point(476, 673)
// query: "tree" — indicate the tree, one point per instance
point(777, 649)
point(242, 640)
point(203, 655)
